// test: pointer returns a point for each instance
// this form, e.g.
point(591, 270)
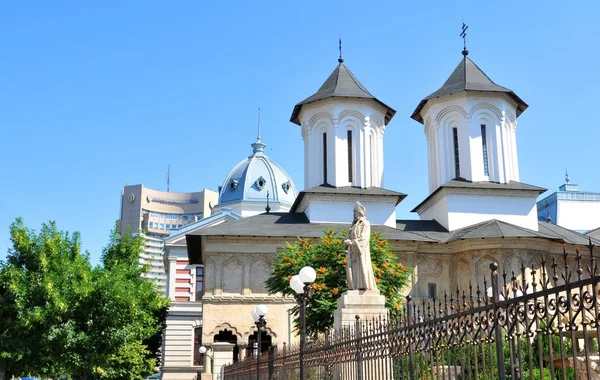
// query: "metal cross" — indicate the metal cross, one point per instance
point(463, 34)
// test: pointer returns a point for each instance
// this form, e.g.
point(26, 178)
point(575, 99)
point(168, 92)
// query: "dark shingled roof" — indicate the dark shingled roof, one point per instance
point(341, 84)
point(460, 183)
point(288, 224)
point(347, 190)
point(568, 236)
point(294, 225)
point(467, 76)
point(496, 229)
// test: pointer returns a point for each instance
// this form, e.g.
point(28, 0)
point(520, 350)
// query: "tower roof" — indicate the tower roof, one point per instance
point(341, 84)
point(467, 76)
point(253, 177)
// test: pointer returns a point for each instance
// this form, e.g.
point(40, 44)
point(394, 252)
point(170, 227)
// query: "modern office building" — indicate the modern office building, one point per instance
point(571, 208)
point(155, 214)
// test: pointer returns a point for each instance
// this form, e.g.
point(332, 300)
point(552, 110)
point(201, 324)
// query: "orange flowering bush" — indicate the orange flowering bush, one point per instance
point(328, 258)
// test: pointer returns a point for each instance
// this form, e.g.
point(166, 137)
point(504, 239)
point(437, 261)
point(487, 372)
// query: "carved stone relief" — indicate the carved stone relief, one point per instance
point(232, 277)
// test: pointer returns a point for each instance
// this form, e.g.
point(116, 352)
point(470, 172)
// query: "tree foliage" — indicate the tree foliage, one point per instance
point(59, 315)
point(328, 258)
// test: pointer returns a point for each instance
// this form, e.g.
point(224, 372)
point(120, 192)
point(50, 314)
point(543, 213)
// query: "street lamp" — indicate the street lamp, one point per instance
point(258, 314)
point(300, 283)
point(207, 360)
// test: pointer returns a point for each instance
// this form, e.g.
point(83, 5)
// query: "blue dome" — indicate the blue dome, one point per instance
point(251, 180)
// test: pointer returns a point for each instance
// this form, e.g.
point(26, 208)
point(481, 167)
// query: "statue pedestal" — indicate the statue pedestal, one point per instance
point(367, 304)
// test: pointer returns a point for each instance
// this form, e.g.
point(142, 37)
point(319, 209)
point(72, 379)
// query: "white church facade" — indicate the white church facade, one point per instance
point(477, 210)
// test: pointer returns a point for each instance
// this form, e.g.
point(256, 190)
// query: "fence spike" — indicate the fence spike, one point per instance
point(554, 265)
point(578, 257)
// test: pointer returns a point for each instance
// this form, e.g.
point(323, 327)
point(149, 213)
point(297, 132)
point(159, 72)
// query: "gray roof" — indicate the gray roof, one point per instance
point(467, 76)
point(293, 225)
point(460, 183)
point(341, 84)
point(568, 236)
point(347, 190)
point(496, 229)
point(289, 224)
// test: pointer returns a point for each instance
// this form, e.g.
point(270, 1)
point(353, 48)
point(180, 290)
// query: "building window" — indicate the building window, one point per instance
point(486, 170)
point(199, 283)
point(431, 290)
point(372, 154)
point(456, 156)
point(197, 344)
point(324, 157)
point(349, 156)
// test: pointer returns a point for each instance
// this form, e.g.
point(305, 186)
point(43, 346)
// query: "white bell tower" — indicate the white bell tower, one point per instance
point(470, 126)
point(342, 128)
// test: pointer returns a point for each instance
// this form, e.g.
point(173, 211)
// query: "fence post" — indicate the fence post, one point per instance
point(497, 327)
point(411, 359)
point(359, 369)
point(271, 362)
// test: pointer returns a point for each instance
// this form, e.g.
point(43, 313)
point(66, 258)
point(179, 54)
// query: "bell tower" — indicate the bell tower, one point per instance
point(342, 128)
point(470, 125)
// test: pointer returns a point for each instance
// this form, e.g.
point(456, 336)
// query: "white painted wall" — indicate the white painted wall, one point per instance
point(365, 118)
point(178, 354)
point(578, 215)
point(342, 211)
point(454, 210)
point(467, 112)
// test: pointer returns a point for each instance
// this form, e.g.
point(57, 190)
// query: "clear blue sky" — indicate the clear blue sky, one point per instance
point(96, 95)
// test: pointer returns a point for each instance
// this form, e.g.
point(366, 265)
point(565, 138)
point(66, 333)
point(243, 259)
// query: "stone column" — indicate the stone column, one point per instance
point(242, 348)
point(222, 355)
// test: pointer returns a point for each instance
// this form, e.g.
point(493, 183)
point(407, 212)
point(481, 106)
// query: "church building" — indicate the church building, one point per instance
point(478, 210)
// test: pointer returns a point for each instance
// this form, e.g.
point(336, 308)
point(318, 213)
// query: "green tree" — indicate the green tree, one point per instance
point(329, 260)
point(58, 315)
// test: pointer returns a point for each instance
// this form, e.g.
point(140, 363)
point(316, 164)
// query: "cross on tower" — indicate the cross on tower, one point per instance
point(463, 34)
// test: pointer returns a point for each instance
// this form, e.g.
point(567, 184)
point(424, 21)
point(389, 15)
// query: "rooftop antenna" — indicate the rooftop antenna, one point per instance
point(340, 59)
point(169, 178)
point(463, 34)
point(258, 137)
point(567, 180)
point(268, 208)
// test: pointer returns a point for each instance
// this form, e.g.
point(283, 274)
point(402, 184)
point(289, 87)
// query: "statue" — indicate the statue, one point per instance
point(359, 271)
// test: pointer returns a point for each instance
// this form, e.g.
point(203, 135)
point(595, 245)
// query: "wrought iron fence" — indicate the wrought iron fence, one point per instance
point(539, 323)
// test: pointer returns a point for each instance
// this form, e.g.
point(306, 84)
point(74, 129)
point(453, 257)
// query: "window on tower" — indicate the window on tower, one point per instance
point(349, 156)
point(456, 153)
point(486, 170)
point(324, 157)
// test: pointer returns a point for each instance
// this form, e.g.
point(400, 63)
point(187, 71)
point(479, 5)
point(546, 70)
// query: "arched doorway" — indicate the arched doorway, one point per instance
point(228, 337)
point(265, 343)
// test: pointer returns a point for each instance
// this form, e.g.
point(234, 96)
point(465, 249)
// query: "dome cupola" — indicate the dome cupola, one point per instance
point(254, 180)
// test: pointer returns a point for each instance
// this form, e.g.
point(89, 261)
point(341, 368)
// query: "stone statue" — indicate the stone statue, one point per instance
point(359, 271)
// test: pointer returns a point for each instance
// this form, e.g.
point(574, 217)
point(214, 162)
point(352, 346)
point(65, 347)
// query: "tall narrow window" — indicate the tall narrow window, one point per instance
point(324, 157)
point(199, 283)
point(456, 156)
point(197, 344)
point(431, 290)
point(486, 170)
point(349, 156)
point(372, 154)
